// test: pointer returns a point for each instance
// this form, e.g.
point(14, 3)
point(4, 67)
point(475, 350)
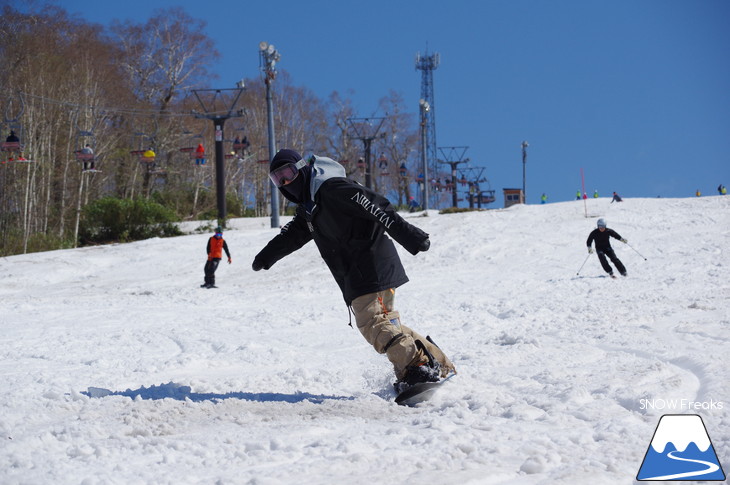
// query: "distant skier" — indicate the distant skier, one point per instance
point(601, 236)
point(543, 198)
point(721, 189)
point(595, 194)
point(216, 246)
point(350, 225)
point(577, 195)
point(616, 198)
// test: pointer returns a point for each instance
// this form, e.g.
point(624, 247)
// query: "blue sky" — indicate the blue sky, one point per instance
point(634, 92)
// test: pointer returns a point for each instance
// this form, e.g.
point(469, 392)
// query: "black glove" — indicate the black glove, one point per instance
point(425, 245)
point(257, 265)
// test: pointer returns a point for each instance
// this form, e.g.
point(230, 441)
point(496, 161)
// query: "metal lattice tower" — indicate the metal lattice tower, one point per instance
point(427, 64)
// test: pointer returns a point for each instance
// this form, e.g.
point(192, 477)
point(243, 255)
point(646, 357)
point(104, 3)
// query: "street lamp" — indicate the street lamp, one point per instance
point(269, 57)
point(524, 162)
point(425, 108)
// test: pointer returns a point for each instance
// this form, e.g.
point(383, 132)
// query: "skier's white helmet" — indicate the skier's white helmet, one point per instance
point(601, 223)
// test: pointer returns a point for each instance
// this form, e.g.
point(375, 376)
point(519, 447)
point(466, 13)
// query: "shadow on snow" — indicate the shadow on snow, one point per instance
point(179, 392)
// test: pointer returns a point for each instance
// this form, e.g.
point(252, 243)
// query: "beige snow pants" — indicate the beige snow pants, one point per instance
point(381, 327)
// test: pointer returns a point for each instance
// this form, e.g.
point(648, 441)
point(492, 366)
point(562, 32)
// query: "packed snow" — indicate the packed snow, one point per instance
point(117, 368)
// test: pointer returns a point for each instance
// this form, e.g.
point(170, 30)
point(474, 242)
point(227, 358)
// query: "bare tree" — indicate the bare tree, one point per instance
point(128, 91)
point(397, 146)
point(166, 55)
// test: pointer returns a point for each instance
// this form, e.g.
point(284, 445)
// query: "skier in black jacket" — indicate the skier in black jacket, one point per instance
point(603, 247)
point(348, 223)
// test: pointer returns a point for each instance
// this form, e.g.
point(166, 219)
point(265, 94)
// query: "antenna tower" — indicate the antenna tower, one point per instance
point(427, 64)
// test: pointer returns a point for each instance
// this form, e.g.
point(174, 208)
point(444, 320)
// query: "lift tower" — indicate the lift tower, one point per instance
point(219, 105)
point(453, 157)
point(427, 64)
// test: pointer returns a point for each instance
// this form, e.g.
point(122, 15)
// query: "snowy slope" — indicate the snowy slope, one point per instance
point(555, 369)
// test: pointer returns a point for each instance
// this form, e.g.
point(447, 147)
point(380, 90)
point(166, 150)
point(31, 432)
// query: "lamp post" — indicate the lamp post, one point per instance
point(524, 163)
point(425, 107)
point(269, 57)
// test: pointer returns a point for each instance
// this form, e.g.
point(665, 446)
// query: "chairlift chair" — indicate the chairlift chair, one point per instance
point(383, 165)
point(240, 145)
point(86, 154)
point(13, 146)
point(146, 156)
point(87, 159)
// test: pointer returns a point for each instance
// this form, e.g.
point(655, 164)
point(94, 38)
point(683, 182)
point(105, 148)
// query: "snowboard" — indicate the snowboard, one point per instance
point(419, 393)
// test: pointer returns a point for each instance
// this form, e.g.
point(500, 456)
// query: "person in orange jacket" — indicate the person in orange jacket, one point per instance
point(216, 246)
point(200, 155)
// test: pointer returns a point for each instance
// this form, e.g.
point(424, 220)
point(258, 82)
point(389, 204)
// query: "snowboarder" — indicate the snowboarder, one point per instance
point(413, 205)
point(601, 236)
point(216, 246)
point(721, 189)
point(616, 198)
point(348, 223)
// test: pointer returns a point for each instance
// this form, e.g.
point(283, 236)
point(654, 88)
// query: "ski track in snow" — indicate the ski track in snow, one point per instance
point(552, 365)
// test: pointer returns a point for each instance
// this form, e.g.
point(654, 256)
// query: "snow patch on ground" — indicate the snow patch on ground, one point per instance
point(117, 368)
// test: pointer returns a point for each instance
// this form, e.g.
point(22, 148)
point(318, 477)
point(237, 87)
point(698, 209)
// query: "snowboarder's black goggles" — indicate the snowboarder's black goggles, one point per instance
point(286, 173)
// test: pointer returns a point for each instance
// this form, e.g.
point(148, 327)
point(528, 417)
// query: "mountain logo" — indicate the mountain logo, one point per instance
point(681, 450)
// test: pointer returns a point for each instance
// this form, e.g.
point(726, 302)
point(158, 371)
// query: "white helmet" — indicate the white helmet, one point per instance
point(601, 223)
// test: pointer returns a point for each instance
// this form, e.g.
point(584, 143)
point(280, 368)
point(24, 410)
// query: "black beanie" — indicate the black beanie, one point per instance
point(283, 157)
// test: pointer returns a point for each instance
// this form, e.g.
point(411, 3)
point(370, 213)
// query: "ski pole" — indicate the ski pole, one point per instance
point(637, 252)
point(584, 263)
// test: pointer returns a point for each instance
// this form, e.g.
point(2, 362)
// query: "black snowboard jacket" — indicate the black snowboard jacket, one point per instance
point(348, 222)
point(602, 238)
